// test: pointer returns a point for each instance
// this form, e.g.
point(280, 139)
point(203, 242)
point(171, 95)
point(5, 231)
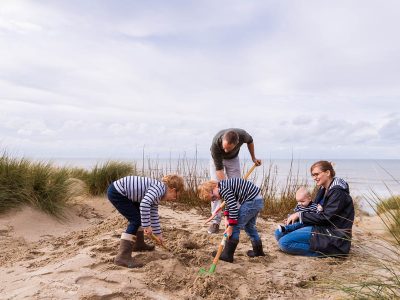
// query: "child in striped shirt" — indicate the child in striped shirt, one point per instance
point(137, 199)
point(304, 203)
point(243, 202)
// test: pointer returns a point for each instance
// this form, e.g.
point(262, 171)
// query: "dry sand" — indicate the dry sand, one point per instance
point(43, 258)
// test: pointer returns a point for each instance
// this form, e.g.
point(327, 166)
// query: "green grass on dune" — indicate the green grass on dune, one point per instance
point(389, 211)
point(100, 177)
point(33, 183)
point(50, 188)
point(390, 203)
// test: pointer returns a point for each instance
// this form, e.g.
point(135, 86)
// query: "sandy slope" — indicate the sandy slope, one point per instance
point(42, 258)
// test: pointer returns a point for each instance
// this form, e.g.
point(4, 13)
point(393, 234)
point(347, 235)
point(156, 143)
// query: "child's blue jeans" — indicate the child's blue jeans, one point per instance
point(248, 213)
point(126, 207)
point(288, 228)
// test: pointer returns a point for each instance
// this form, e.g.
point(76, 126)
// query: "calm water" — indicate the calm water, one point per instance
point(363, 176)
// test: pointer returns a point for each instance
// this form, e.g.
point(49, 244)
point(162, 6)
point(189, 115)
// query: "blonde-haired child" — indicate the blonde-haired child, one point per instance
point(243, 202)
point(137, 199)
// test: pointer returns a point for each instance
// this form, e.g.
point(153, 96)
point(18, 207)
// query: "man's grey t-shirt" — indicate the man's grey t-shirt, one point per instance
point(218, 153)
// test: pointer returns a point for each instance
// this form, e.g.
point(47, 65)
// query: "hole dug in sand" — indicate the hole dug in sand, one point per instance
point(190, 245)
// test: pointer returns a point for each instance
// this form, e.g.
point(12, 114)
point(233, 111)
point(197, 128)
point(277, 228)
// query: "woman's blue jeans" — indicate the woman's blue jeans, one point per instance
point(126, 207)
point(248, 213)
point(297, 242)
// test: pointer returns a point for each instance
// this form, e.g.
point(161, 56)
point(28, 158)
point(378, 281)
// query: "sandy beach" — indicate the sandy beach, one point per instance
point(45, 258)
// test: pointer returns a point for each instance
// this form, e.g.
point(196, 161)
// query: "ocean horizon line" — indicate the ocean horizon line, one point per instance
point(104, 158)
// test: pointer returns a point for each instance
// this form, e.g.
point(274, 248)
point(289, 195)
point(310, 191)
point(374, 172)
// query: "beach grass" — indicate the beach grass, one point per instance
point(280, 198)
point(39, 184)
point(389, 211)
point(103, 174)
point(50, 188)
point(379, 260)
point(191, 173)
point(391, 203)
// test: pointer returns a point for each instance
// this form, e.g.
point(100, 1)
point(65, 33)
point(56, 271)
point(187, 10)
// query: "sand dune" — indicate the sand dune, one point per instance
point(43, 258)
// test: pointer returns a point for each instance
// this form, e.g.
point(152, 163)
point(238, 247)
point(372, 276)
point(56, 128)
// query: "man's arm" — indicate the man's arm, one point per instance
point(250, 146)
point(217, 158)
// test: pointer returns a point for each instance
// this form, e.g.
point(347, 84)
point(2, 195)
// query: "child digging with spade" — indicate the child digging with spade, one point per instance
point(137, 199)
point(243, 202)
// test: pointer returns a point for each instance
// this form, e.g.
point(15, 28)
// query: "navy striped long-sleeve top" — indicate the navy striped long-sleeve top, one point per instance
point(148, 192)
point(236, 191)
point(312, 207)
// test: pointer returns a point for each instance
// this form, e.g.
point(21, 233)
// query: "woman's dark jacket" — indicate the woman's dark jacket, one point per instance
point(331, 234)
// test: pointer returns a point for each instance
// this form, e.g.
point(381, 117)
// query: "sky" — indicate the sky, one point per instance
point(116, 79)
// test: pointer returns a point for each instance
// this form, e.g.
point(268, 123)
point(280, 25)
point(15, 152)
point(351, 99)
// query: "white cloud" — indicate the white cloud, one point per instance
point(103, 79)
point(390, 132)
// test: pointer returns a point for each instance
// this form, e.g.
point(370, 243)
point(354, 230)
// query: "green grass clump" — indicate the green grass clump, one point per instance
point(385, 205)
point(51, 188)
point(389, 211)
point(13, 183)
point(102, 175)
point(37, 184)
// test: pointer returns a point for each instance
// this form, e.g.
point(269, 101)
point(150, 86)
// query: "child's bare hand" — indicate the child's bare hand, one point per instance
point(229, 230)
point(292, 218)
point(147, 230)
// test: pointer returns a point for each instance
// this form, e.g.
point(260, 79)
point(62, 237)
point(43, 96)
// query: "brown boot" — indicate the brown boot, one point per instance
point(124, 256)
point(257, 249)
point(140, 245)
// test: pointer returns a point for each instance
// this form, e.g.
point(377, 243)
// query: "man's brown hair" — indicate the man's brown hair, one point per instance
point(232, 137)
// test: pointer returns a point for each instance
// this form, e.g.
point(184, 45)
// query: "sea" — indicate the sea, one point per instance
point(369, 179)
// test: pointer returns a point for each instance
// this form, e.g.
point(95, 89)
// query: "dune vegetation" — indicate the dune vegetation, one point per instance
point(51, 188)
point(380, 264)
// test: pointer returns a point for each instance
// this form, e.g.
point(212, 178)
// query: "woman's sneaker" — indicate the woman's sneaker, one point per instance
point(214, 228)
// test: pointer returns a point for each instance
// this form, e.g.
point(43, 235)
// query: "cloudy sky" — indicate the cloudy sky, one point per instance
point(312, 79)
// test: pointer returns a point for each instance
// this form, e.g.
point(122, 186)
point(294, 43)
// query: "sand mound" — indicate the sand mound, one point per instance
point(42, 257)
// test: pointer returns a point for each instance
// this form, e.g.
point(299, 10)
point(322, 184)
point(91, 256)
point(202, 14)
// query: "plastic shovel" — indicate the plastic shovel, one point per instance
point(216, 258)
point(158, 241)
